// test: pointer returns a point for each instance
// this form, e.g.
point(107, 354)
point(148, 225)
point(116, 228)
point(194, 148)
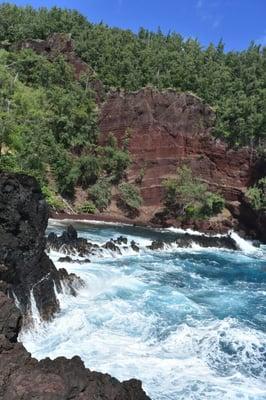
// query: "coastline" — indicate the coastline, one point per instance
point(104, 218)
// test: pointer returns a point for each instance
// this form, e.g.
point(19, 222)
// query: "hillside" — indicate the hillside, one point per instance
point(103, 118)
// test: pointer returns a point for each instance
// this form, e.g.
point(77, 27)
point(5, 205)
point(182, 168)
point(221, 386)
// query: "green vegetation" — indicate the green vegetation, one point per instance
point(52, 199)
point(129, 196)
point(101, 194)
point(88, 208)
point(48, 125)
point(48, 118)
point(257, 195)
point(232, 82)
point(186, 197)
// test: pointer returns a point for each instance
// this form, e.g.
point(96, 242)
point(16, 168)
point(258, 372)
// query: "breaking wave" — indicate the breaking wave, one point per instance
point(190, 323)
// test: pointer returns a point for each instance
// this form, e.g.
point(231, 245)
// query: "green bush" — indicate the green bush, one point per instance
point(213, 204)
point(52, 199)
point(257, 195)
point(88, 208)
point(186, 197)
point(101, 193)
point(115, 161)
point(130, 196)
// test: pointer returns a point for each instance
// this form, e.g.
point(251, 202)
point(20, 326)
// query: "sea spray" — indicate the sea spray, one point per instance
point(190, 323)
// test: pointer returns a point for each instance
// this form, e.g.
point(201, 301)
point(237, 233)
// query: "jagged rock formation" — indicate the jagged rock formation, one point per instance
point(25, 269)
point(70, 244)
point(24, 378)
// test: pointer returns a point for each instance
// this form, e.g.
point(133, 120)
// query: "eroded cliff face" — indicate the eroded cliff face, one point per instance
point(166, 129)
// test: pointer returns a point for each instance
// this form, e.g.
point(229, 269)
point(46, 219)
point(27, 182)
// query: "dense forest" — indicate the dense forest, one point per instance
point(49, 119)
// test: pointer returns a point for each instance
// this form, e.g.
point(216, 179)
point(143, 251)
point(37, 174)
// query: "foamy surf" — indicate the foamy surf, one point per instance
point(190, 323)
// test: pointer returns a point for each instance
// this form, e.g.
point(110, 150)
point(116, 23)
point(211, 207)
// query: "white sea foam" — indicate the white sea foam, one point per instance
point(165, 320)
point(243, 244)
point(36, 318)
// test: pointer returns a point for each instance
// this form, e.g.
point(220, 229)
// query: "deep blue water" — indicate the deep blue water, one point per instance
point(190, 323)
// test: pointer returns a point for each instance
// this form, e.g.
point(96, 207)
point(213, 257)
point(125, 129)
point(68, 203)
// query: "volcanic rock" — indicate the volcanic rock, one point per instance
point(24, 378)
point(110, 245)
point(69, 243)
point(26, 268)
point(10, 318)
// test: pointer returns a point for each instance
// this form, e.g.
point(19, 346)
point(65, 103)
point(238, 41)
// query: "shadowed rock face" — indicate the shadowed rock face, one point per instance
point(10, 318)
point(25, 267)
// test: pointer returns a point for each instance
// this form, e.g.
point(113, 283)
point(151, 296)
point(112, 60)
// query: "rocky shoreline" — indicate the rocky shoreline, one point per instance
point(70, 244)
point(27, 274)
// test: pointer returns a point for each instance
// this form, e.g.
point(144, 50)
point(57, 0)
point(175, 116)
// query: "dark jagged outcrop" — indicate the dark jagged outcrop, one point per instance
point(188, 240)
point(115, 245)
point(24, 378)
point(26, 270)
point(70, 244)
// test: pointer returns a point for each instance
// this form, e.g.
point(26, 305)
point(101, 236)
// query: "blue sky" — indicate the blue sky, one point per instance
point(237, 22)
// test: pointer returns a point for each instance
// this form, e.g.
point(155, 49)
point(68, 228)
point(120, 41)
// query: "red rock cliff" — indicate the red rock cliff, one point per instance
point(166, 129)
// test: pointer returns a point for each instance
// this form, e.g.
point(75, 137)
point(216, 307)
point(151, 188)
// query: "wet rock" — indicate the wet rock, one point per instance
point(110, 245)
point(68, 259)
point(25, 267)
point(71, 281)
point(69, 243)
point(24, 378)
point(134, 246)
point(186, 240)
point(121, 240)
point(156, 245)
point(226, 242)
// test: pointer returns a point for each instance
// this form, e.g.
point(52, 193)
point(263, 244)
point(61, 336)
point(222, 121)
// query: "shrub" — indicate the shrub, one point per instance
point(115, 161)
point(101, 194)
point(130, 196)
point(52, 199)
point(89, 169)
point(88, 208)
point(257, 195)
point(213, 204)
point(186, 197)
